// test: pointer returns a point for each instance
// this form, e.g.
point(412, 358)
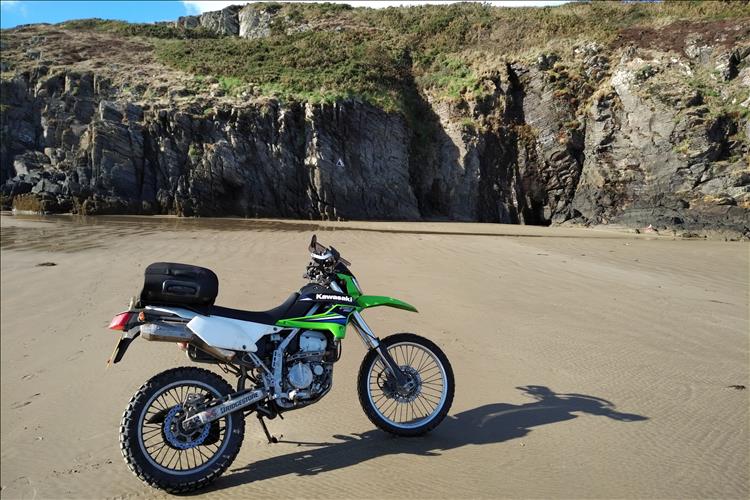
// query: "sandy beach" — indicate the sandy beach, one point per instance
point(588, 363)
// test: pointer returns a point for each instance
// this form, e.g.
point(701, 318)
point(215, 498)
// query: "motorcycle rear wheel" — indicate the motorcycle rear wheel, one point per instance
point(407, 413)
point(159, 451)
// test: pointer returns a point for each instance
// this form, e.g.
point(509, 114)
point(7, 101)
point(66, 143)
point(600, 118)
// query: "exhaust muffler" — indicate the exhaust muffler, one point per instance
point(166, 332)
point(179, 332)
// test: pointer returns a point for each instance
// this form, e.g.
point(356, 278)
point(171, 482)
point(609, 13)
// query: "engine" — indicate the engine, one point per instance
point(309, 369)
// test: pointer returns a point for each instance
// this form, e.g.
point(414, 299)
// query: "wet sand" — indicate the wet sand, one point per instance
point(588, 363)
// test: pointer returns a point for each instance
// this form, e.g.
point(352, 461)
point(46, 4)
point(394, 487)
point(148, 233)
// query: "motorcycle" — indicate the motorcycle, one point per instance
point(183, 428)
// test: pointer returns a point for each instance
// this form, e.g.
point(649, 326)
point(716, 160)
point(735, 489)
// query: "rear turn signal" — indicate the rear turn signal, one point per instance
point(119, 321)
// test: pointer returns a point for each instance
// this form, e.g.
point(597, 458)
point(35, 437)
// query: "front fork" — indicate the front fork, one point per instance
point(373, 343)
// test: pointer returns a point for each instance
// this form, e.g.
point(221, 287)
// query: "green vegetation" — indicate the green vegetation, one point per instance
point(194, 153)
point(451, 75)
point(229, 84)
point(338, 64)
point(468, 124)
point(385, 56)
point(645, 73)
point(720, 98)
point(570, 86)
point(683, 148)
point(163, 31)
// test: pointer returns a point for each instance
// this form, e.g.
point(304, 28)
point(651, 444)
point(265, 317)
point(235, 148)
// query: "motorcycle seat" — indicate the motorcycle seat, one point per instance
point(269, 317)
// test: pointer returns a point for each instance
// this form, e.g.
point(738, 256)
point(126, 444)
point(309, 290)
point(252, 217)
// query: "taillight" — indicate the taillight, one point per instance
point(119, 321)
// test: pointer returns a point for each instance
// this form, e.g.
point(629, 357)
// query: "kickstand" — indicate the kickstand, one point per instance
point(270, 438)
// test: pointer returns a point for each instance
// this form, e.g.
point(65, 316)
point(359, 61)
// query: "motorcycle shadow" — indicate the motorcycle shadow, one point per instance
point(488, 424)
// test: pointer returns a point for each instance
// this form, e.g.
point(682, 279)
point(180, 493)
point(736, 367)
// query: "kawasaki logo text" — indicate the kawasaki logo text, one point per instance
point(342, 298)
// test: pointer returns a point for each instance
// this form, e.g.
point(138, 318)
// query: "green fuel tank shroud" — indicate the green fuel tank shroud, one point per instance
point(335, 320)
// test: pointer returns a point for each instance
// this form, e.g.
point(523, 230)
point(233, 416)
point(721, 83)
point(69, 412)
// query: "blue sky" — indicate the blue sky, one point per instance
point(13, 13)
point(25, 12)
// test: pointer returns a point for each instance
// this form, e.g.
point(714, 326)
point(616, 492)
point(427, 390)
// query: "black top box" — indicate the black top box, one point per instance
point(169, 283)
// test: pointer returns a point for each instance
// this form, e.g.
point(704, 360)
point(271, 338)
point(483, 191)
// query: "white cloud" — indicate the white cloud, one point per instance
point(199, 6)
point(14, 6)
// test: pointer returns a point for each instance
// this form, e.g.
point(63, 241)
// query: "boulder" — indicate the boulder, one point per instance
point(254, 22)
point(223, 22)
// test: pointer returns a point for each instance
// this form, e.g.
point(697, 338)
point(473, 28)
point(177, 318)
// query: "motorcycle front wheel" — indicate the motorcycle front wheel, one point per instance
point(410, 412)
point(160, 451)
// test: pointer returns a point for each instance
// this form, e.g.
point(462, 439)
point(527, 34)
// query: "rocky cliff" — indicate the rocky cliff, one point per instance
point(649, 126)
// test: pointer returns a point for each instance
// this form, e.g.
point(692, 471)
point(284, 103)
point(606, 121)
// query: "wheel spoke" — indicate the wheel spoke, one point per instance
point(413, 357)
point(164, 448)
point(426, 410)
point(162, 443)
point(427, 368)
point(158, 404)
point(175, 457)
point(421, 361)
point(387, 409)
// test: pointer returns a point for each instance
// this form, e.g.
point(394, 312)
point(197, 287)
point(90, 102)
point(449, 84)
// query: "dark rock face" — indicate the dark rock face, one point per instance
point(587, 139)
point(69, 145)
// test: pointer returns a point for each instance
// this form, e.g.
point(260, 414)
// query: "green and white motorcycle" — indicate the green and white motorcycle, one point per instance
point(184, 427)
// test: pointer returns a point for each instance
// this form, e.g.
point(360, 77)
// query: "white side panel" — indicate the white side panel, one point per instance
point(229, 333)
point(182, 313)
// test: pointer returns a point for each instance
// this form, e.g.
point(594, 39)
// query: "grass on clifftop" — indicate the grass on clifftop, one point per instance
point(138, 29)
point(336, 64)
point(379, 55)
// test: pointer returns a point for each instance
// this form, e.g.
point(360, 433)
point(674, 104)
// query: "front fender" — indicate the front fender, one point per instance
point(365, 301)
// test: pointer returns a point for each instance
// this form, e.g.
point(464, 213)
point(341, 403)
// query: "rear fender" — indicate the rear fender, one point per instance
point(122, 345)
point(367, 301)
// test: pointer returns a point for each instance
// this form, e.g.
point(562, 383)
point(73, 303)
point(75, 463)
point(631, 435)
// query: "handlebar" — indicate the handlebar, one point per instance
point(324, 261)
point(321, 253)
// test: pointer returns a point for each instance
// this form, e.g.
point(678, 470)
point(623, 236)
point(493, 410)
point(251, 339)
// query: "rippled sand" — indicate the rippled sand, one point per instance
point(588, 363)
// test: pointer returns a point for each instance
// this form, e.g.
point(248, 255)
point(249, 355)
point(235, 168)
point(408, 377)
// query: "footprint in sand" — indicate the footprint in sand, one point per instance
point(74, 356)
point(29, 376)
point(21, 404)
